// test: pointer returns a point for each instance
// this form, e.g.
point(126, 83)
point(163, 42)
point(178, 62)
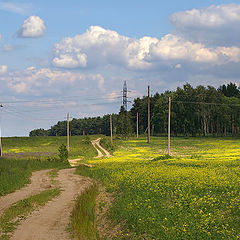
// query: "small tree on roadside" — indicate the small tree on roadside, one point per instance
point(124, 127)
point(63, 153)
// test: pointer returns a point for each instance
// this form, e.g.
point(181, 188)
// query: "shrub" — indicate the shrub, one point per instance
point(63, 153)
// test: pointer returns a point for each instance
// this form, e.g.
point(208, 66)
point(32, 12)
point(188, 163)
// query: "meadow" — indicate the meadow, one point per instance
point(194, 194)
point(23, 155)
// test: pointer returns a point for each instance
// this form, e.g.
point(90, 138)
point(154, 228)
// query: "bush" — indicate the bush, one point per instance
point(63, 153)
point(106, 143)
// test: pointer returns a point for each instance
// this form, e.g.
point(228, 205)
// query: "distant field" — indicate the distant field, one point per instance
point(195, 194)
point(41, 147)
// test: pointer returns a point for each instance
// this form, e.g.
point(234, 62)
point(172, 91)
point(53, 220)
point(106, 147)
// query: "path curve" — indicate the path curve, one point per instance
point(50, 221)
point(40, 181)
point(96, 145)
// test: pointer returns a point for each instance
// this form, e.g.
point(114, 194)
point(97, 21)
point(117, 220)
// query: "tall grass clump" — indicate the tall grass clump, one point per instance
point(106, 143)
point(82, 223)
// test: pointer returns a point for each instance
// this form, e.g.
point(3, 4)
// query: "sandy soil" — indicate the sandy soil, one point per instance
point(50, 222)
point(40, 181)
point(96, 145)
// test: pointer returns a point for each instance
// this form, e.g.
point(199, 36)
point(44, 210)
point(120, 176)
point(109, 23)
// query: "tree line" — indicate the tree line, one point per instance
point(199, 111)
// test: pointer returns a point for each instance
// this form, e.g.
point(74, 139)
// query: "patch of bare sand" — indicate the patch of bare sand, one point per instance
point(50, 222)
point(40, 181)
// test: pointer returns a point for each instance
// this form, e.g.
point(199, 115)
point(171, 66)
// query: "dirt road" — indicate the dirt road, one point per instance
point(97, 146)
point(50, 221)
point(40, 181)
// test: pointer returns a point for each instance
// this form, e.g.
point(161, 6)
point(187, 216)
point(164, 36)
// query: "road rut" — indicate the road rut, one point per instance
point(40, 181)
point(50, 221)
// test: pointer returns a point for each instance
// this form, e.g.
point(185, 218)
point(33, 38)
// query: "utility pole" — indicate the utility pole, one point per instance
point(169, 127)
point(137, 124)
point(149, 115)
point(1, 137)
point(68, 132)
point(111, 128)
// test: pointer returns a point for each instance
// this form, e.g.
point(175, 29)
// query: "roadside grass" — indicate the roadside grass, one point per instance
point(18, 211)
point(82, 221)
point(14, 174)
point(192, 195)
point(23, 155)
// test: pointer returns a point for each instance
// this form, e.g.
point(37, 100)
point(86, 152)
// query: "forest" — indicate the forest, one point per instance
point(199, 111)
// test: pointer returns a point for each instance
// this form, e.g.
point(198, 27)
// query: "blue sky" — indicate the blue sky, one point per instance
point(73, 56)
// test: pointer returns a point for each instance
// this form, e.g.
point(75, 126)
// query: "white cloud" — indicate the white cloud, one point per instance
point(3, 69)
point(100, 47)
point(39, 81)
point(92, 47)
point(212, 25)
point(32, 27)
point(20, 8)
point(172, 47)
point(213, 16)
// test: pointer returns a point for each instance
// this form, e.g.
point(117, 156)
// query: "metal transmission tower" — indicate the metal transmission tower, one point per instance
point(125, 95)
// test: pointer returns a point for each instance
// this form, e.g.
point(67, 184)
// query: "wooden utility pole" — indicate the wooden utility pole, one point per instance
point(137, 124)
point(111, 128)
point(148, 116)
point(169, 122)
point(68, 132)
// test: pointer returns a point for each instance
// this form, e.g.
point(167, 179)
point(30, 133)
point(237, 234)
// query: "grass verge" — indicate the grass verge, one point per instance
point(82, 221)
point(13, 215)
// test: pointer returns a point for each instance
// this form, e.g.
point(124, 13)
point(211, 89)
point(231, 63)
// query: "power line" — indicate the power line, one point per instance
point(51, 100)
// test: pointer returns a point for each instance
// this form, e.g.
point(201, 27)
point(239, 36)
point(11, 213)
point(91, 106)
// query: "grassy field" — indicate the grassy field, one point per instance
point(43, 147)
point(23, 155)
point(195, 194)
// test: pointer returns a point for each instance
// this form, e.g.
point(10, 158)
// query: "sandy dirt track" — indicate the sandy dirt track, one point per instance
point(40, 181)
point(96, 145)
point(50, 221)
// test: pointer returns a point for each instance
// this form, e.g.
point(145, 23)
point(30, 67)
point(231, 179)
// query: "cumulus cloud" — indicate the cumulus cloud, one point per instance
point(3, 69)
point(100, 47)
point(38, 81)
point(32, 27)
point(90, 48)
point(215, 24)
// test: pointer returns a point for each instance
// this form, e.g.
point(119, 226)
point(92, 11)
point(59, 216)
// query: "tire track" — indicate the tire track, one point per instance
point(51, 221)
point(40, 181)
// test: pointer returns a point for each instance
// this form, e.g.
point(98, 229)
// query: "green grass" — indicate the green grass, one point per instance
point(43, 147)
point(14, 174)
point(13, 215)
point(23, 155)
point(192, 195)
point(82, 223)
